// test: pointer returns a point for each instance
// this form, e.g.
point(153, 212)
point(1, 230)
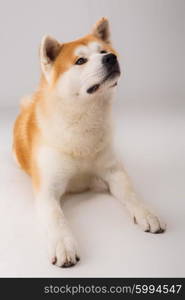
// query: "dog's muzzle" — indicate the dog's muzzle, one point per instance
point(111, 65)
point(112, 70)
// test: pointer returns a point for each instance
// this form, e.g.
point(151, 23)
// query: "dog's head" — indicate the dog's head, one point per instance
point(82, 68)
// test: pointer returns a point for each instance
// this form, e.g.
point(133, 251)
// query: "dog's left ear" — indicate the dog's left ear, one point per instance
point(49, 50)
point(101, 30)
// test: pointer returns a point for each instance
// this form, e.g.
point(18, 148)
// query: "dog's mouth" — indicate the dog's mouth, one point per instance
point(113, 74)
point(93, 88)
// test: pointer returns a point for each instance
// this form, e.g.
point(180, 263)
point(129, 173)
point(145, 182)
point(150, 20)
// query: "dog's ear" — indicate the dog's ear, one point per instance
point(101, 30)
point(49, 50)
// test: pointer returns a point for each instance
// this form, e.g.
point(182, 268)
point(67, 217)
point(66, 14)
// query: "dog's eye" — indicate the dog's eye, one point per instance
point(81, 61)
point(103, 51)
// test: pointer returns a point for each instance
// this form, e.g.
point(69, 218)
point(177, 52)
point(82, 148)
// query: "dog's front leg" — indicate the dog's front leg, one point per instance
point(61, 243)
point(121, 188)
point(54, 177)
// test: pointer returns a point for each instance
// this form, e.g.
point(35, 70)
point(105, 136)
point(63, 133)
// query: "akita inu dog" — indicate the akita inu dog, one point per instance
point(63, 135)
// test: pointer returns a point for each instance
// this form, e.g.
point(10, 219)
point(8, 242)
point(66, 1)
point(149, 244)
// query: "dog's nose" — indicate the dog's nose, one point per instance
point(109, 59)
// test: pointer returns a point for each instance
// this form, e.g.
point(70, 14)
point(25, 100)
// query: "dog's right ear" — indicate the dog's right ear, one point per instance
point(49, 50)
point(101, 30)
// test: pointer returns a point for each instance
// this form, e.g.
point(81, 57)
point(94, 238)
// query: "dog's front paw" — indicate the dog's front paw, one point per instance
point(147, 221)
point(65, 253)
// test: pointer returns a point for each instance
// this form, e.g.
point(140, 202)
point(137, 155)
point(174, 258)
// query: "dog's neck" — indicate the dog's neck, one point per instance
point(79, 128)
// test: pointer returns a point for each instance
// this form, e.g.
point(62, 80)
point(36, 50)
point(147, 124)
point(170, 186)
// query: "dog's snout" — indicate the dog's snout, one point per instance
point(109, 59)
point(111, 65)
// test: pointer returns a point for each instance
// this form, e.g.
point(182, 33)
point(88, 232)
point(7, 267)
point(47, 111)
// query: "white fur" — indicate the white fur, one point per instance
point(74, 171)
point(78, 154)
point(84, 51)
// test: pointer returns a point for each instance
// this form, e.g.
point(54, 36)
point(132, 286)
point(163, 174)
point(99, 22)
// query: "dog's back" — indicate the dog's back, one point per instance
point(23, 135)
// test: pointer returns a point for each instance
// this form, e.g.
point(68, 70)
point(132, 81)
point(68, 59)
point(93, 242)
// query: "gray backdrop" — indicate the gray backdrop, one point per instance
point(149, 35)
point(150, 109)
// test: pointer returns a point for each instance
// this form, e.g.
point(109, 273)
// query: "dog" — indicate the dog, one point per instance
point(63, 136)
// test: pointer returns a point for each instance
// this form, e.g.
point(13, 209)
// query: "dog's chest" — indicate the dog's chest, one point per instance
point(80, 138)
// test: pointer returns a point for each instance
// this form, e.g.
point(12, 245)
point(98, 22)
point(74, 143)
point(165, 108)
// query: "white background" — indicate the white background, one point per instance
point(150, 124)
